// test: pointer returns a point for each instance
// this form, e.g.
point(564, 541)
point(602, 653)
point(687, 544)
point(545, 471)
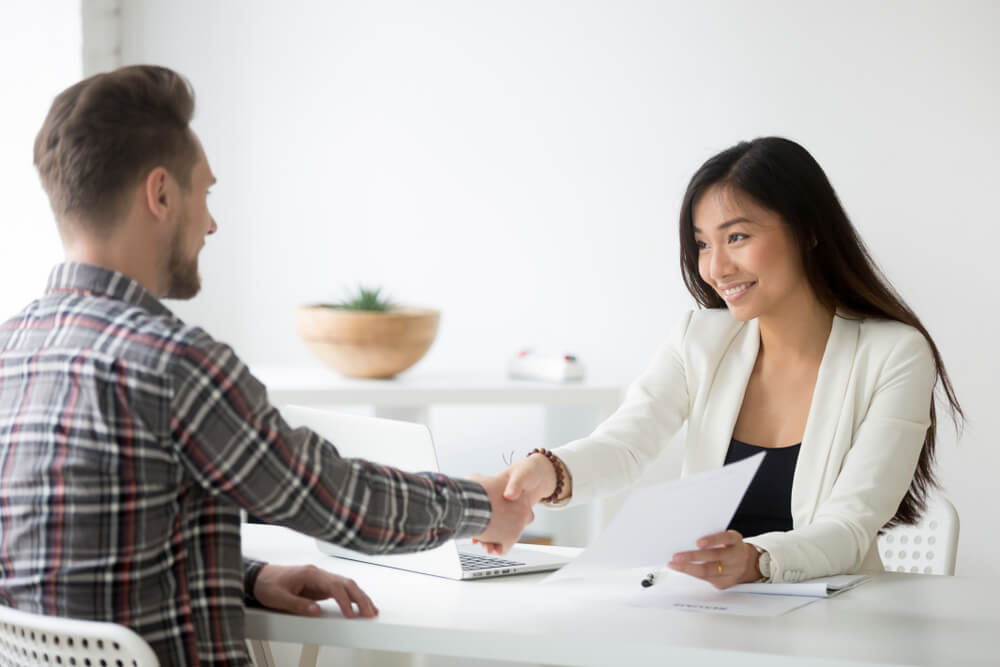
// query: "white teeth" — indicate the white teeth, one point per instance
point(736, 290)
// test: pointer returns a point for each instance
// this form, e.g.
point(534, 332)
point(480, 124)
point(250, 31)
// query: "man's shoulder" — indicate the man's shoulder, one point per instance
point(128, 332)
point(194, 351)
point(189, 343)
point(157, 337)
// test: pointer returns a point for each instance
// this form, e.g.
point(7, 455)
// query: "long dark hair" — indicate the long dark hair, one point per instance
point(782, 176)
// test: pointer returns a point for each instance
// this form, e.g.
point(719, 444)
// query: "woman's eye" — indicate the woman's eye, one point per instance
point(700, 244)
point(733, 238)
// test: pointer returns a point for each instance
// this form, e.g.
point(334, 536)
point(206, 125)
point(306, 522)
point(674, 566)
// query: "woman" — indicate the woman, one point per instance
point(803, 351)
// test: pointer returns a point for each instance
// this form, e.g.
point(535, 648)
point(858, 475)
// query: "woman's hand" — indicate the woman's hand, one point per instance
point(722, 560)
point(528, 481)
point(534, 478)
point(295, 589)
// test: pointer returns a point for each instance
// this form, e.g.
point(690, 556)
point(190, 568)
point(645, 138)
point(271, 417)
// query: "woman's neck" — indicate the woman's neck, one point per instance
point(797, 333)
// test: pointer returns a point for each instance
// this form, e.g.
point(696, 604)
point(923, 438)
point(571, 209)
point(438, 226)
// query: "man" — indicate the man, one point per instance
point(129, 441)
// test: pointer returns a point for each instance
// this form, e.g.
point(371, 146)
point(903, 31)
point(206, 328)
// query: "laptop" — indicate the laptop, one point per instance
point(409, 446)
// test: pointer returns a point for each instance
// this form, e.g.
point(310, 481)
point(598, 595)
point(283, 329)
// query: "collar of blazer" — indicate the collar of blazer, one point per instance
point(829, 427)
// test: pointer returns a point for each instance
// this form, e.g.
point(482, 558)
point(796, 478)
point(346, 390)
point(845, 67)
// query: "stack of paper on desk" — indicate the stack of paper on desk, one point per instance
point(689, 594)
point(824, 587)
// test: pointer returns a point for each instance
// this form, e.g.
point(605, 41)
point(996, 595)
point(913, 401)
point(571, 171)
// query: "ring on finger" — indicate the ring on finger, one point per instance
point(719, 567)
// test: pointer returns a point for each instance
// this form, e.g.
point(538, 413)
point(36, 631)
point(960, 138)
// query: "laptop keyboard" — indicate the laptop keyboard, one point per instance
point(474, 562)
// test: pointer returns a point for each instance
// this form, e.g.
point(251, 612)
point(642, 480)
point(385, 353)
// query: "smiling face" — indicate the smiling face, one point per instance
point(747, 255)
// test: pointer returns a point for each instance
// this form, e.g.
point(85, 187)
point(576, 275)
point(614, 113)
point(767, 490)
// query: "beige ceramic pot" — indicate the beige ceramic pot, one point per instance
point(366, 344)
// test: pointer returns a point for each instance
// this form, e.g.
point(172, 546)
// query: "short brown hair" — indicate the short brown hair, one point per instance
point(105, 133)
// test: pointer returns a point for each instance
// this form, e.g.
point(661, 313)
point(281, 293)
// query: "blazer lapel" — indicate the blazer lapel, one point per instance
point(726, 399)
point(821, 435)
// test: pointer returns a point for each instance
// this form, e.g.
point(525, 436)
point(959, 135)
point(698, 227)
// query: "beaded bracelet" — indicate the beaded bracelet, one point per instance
point(557, 464)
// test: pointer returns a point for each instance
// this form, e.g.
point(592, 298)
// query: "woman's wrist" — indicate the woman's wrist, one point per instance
point(567, 489)
point(560, 484)
point(755, 554)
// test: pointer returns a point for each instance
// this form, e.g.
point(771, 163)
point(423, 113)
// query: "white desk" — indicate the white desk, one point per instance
point(572, 410)
point(897, 619)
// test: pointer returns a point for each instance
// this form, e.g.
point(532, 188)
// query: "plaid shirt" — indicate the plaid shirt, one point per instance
point(129, 441)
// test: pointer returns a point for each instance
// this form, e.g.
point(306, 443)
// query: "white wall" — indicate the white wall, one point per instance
point(520, 165)
point(39, 56)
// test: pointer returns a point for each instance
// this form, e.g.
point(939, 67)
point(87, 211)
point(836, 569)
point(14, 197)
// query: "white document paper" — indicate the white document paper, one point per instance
point(684, 593)
point(821, 587)
point(718, 602)
point(655, 522)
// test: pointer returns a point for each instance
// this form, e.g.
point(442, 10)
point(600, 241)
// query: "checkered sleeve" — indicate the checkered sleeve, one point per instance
point(251, 568)
point(234, 443)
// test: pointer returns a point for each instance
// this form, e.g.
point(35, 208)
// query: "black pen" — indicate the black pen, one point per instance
point(654, 577)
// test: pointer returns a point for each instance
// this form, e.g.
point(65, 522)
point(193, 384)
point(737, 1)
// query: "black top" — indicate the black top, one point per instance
point(767, 504)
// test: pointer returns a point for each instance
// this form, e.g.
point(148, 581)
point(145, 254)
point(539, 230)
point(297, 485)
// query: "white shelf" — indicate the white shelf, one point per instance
point(312, 384)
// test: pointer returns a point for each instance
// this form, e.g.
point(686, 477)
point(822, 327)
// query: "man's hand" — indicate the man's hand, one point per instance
point(509, 517)
point(296, 589)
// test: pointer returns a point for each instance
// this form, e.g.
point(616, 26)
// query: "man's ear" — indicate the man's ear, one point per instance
point(157, 195)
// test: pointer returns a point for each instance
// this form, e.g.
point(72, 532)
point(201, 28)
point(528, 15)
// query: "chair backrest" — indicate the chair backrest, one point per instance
point(31, 639)
point(929, 547)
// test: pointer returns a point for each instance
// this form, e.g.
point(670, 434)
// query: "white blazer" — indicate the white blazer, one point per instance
point(869, 415)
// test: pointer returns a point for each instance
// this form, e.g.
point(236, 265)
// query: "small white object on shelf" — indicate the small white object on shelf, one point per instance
point(531, 365)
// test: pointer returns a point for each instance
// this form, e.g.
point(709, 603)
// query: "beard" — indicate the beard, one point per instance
point(183, 280)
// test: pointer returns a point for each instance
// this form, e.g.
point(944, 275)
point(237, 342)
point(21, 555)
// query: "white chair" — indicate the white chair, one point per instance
point(32, 639)
point(929, 547)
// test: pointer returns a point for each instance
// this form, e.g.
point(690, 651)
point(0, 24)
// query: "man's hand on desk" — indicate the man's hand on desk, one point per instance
point(296, 589)
point(508, 519)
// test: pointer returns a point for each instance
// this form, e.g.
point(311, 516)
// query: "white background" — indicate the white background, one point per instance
point(520, 165)
point(40, 46)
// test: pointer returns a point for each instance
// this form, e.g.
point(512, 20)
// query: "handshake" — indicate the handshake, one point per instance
point(512, 493)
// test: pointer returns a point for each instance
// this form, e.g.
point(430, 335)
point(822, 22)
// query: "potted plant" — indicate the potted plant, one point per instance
point(367, 335)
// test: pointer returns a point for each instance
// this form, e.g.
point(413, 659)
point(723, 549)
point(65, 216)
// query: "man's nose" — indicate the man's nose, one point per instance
point(213, 228)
